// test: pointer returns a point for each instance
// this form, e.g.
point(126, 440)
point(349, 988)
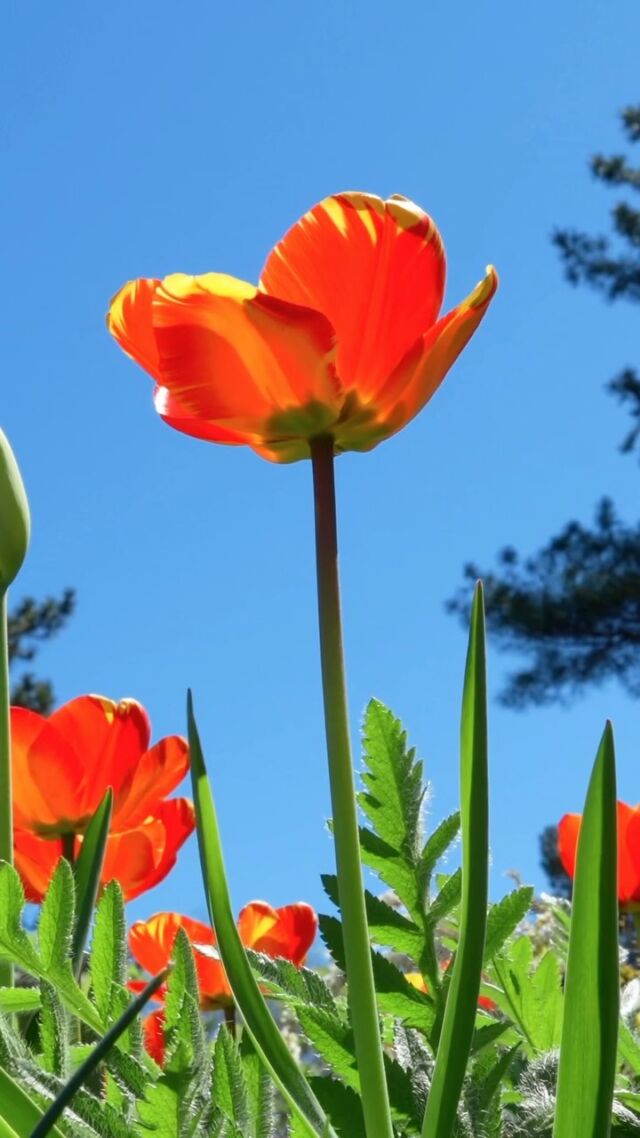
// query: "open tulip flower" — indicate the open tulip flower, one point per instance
point(628, 851)
point(341, 338)
point(288, 932)
point(62, 767)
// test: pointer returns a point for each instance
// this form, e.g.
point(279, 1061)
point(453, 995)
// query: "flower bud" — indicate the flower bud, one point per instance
point(15, 522)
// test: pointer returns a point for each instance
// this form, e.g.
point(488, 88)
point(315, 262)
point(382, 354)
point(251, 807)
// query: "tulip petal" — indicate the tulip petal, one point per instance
point(142, 857)
point(422, 371)
point(628, 854)
point(47, 774)
point(36, 860)
point(292, 935)
point(375, 268)
point(235, 357)
point(153, 1035)
point(109, 740)
point(151, 945)
point(255, 922)
point(157, 773)
point(568, 833)
point(175, 415)
point(129, 321)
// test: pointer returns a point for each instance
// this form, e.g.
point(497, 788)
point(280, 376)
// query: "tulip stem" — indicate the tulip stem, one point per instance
point(6, 806)
point(360, 983)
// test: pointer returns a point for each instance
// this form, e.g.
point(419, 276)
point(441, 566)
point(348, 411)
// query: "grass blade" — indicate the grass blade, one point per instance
point(19, 1113)
point(87, 871)
point(259, 1022)
point(47, 1123)
point(591, 1005)
point(462, 999)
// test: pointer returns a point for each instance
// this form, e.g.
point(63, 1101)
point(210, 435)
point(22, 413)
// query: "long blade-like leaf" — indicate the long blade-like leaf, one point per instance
point(87, 871)
point(101, 1049)
point(462, 999)
point(591, 1004)
point(18, 1114)
point(259, 1022)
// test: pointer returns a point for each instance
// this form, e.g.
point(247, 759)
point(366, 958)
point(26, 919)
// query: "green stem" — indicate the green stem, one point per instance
point(360, 984)
point(6, 801)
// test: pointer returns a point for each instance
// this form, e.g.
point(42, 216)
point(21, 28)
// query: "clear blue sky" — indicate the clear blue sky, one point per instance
point(141, 139)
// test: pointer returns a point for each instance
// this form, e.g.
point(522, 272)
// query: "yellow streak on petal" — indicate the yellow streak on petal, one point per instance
point(335, 211)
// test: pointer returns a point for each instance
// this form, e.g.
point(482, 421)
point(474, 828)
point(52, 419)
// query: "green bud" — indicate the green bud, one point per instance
point(15, 522)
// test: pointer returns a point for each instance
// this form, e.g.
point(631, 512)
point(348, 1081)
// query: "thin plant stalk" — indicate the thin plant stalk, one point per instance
point(360, 983)
point(6, 800)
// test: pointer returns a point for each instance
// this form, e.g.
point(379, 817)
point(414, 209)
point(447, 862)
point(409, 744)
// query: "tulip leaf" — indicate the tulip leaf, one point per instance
point(587, 1067)
point(263, 1030)
point(464, 977)
point(87, 871)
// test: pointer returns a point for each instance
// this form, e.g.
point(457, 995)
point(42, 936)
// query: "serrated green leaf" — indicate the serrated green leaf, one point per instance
point(460, 1010)
point(388, 927)
point(392, 869)
point(437, 845)
point(333, 1040)
point(343, 1106)
point(15, 945)
point(394, 993)
point(504, 917)
point(530, 997)
point(14, 1000)
point(229, 1085)
point(54, 1029)
point(446, 899)
point(301, 985)
point(98, 1054)
point(108, 958)
point(629, 1048)
point(394, 790)
point(18, 1112)
point(587, 1067)
point(182, 981)
point(87, 872)
point(260, 1091)
point(55, 927)
point(258, 1021)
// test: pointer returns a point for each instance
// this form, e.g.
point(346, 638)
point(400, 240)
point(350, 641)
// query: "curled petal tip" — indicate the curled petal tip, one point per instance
point(485, 289)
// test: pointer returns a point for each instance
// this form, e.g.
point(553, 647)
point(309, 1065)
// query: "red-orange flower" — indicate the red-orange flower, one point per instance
point(341, 337)
point(62, 766)
point(288, 932)
point(628, 850)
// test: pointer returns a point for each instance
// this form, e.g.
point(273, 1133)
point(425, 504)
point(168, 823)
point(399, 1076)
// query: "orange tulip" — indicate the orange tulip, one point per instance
point(288, 932)
point(62, 767)
point(341, 337)
point(628, 851)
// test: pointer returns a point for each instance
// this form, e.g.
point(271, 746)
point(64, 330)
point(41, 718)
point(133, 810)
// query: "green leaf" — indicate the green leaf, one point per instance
point(343, 1106)
point(394, 993)
point(107, 962)
point(392, 799)
point(333, 1040)
point(298, 985)
point(54, 1029)
point(629, 1048)
point(387, 926)
point(437, 845)
point(263, 1030)
point(229, 1085)
point(391, 868)
point(55, 927)
point(504, 918)
point(531, 997)
point(260, 1091)
point(98, 1054)
point(14, 1000)
point(587, 1067)
point(460, 1010)
point(87, 871)
point(18, 1113)
point(446, 899)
